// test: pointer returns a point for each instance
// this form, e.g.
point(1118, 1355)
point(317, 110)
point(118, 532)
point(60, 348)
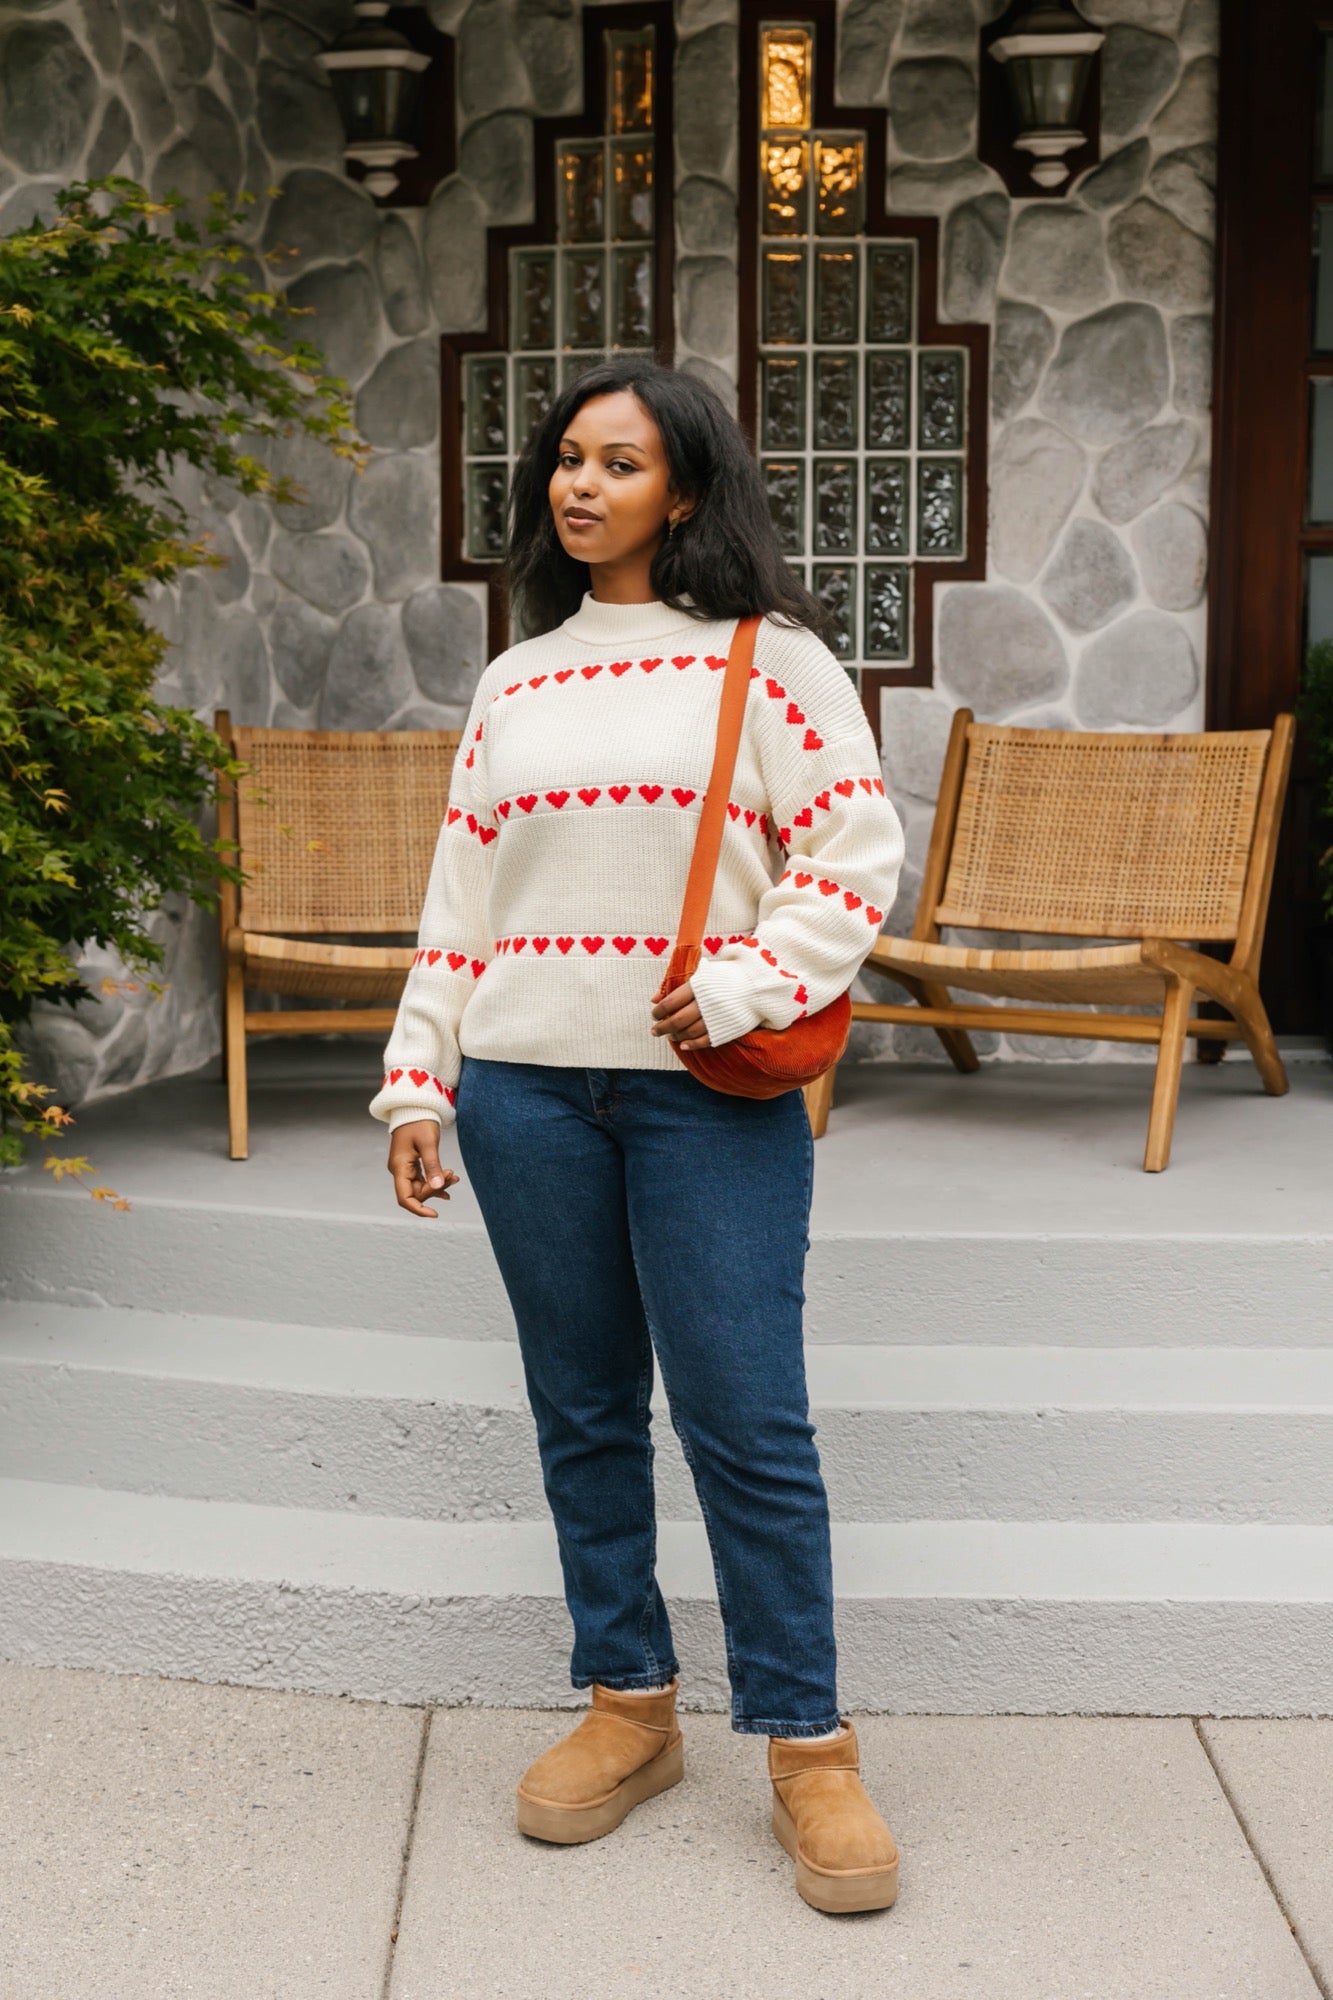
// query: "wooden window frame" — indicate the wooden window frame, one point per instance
point(495, 337)
point(821, 17)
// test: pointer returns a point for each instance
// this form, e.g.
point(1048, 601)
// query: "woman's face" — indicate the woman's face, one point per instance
point(611, 491)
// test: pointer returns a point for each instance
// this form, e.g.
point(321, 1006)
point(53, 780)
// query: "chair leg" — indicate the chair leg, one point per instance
point(233, 1039)
point(1253, 1018)
point(1166, 1083)
point(957, 1042)
point(819, 1100)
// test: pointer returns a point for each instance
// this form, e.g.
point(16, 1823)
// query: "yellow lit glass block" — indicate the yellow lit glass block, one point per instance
point(784, 187)
point(629, 73)
point(786, 79)
point(840, 179)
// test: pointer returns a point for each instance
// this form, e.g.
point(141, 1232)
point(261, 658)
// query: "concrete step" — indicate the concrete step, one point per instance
point(960, 1617)
point(877, 1273)
point(384, 1423)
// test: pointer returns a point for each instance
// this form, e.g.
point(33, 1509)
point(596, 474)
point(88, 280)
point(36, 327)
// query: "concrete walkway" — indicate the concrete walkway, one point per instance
point(166, 1838)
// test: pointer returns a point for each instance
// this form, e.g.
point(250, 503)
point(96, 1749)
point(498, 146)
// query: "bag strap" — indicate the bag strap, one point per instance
point(712, 817)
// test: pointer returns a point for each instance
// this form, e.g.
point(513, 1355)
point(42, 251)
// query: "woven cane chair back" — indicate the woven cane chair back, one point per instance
point(337, 829)
point(1109, 836)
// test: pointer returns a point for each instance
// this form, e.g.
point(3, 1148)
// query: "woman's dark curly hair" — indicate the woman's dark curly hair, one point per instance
point(724, 561)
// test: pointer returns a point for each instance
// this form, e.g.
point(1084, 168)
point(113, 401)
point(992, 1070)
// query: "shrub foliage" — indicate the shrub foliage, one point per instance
point(131, 341)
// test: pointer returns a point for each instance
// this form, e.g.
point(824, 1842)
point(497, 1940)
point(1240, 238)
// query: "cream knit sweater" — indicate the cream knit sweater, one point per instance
point(556, 887)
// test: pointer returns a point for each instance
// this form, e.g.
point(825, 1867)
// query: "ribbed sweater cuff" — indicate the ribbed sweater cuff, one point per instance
point(409, 1116)
point(721, 990)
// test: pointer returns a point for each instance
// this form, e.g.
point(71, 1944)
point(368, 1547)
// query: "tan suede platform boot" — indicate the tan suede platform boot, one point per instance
point(626, 1749)
point(846, 1858)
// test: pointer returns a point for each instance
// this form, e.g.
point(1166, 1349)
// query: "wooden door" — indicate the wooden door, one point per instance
point(1271, 592)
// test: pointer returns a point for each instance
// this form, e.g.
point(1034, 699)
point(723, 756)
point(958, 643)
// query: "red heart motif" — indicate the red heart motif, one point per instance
point(763, 824)
point(556, 799)
point(438, 1085)
point(771, 958)
point(517, 944)
point(393, 1076)
point(527, 800)
point(650, 792)
point(619, 667)
point(478, 967)
point(749, 816)
point(754, 673)
point(565, 944)
point(539, 945)
point(502, 944)
point(735, 811)
point(476, 734)
point(712, 661)
point(486, 834)
point(471, 823)
point(593, 944)
point(623, 945)
point(683, 660)
point(450, 1092)
point(619, 793)
point(846, 786)
point(504, 807)
point(821, 800)
point(681, 796)
point(865, 784)
point(803, 881)
point(419, 1076)
point(776, 692)
point(713, 944)
point(874, 916)
point(589, 793)
point(467, 761)
point(800, 996)
point(588, 672)
point(510, 690)
point(454, 812)
point(657, 945)
point(784, 836)
point(851, 899)
point(536, 683)
point(456, 958)
point(566, 673)
point(812, 742)
point(878, 784)
point(648, 665)
point(793, 713)
point(804, 817)
point(432, 957)
point(828, 888)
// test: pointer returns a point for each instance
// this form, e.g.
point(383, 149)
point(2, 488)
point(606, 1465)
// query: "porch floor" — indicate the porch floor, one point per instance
point(912, 1148)
point(169, 1838)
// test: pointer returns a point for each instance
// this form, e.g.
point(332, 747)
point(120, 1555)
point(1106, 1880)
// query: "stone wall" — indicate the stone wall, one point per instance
point(330, 613)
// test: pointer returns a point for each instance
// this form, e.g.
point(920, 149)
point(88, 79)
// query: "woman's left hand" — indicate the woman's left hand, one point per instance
point(677, 1015)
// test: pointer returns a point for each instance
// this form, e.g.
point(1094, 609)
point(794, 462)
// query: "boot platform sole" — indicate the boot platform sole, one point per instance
point(837, 1891)
point(571, 1824)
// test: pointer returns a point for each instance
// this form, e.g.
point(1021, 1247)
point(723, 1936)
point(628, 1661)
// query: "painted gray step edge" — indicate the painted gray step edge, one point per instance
point(216, 1409)
point(968, 1617)
point(890, 1288)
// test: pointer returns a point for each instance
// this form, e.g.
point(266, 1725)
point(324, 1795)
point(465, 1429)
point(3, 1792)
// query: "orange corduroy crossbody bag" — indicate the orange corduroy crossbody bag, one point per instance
point(765, 1061)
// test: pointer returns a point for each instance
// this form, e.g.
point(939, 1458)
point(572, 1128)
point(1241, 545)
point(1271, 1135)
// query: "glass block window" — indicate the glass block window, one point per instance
point(862, 426)
point(572, 302)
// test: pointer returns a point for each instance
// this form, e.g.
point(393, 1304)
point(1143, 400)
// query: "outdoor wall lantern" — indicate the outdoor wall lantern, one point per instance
point(1049, 56)
point(388, 72)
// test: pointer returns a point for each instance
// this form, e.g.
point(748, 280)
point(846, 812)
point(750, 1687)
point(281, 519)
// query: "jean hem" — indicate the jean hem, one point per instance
point(623, 1683)
point(750, 1725)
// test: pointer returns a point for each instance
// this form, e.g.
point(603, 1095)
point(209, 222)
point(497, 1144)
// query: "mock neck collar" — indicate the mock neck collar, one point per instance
point(624, 624)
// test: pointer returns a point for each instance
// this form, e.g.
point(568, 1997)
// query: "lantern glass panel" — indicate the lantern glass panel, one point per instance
point(1048, 90)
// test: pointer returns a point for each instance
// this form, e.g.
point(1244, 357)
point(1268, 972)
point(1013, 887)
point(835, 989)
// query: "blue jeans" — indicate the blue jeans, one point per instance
point(635, 1209)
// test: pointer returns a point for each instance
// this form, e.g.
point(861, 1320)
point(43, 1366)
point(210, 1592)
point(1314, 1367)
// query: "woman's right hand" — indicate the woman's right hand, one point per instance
point(414, 1162)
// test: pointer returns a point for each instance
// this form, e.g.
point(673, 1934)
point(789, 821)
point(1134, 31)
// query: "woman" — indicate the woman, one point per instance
point(630, 1207)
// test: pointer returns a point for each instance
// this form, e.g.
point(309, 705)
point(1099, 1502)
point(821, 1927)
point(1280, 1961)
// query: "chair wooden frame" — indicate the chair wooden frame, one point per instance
point(1160, 969)
point(335, 830)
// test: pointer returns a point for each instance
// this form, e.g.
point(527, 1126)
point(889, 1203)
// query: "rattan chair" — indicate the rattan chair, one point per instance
point(1165, 842)
point(336, 831)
